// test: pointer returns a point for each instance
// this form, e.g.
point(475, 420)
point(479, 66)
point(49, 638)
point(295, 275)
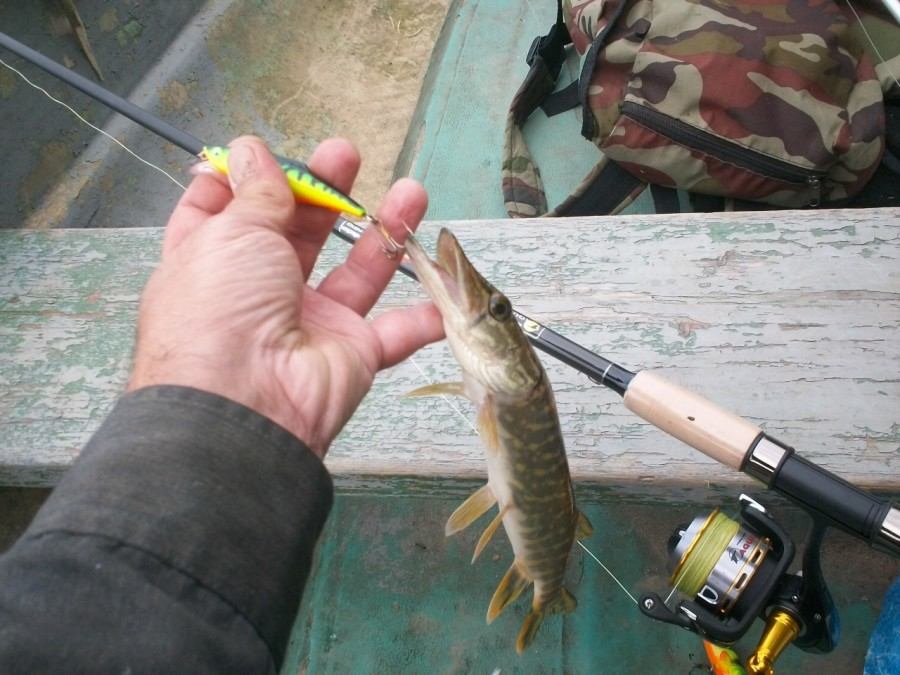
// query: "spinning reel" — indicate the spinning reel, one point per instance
point(728, 573)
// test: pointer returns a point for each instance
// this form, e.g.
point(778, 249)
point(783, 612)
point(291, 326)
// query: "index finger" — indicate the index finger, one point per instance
point(335, 161)
point(362, 278)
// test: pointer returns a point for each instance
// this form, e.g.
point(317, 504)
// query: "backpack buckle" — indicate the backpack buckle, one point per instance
point(551, 48)
point(535, 47)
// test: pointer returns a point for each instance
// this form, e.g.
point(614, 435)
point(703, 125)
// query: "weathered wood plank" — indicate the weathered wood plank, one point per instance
point(787, 318)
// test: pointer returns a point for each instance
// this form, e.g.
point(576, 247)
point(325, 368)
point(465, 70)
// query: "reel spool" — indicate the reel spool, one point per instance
point(730, 573)
point(715, 560)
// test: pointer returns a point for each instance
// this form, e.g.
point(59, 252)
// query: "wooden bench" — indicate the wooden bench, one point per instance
point(787, 318)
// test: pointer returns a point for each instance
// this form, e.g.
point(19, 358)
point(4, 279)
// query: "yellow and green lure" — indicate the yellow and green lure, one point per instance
point(306, 187)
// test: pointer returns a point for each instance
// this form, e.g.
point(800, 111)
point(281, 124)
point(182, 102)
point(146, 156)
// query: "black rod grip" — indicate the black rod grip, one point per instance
point(828, 496)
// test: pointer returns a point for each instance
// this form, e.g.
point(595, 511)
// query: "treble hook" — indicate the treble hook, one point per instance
point(392, 248)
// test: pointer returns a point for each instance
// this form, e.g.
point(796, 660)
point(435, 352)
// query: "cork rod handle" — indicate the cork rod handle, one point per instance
point(691, 418)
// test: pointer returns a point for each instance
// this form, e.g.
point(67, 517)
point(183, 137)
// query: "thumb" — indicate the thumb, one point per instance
point(261, 193)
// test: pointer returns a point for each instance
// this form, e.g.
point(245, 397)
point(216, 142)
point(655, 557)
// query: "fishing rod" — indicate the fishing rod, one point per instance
point(596, 367)
point(729, 571)
point(718, 433)
point(306, 187)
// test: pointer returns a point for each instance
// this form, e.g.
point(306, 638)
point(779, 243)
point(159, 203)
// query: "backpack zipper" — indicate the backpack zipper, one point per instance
point(719, 148)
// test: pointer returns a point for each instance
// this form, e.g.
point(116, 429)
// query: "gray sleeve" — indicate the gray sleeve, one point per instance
point(179, 540)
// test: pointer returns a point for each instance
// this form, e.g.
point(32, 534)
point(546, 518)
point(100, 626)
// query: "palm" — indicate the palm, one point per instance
point(231, 311)
point(336, 362)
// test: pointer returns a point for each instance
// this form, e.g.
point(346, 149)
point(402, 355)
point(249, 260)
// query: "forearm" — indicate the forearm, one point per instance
point(181, 538)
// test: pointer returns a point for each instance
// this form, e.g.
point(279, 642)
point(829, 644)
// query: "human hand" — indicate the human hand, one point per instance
point(229, 309)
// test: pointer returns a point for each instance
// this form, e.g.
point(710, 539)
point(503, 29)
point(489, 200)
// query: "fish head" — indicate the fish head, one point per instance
point(481, 328)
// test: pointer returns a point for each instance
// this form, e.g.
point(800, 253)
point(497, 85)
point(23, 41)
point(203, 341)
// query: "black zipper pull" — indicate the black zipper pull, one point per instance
point(815, 187)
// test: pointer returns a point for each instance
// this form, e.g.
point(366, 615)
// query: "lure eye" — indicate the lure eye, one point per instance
point(499, 307)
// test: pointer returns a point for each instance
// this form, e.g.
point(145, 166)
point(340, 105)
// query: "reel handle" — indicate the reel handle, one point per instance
point(742, 445)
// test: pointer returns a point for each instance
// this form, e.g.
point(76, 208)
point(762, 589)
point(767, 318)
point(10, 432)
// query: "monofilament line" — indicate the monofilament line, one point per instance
point(669, 596)
point(95, 128)
point(607, 570)
point(446, 399)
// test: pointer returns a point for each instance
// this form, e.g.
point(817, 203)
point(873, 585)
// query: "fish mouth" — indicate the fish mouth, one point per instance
point(448, 280)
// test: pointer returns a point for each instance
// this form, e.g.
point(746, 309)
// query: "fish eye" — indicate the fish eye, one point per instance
point(499, 307)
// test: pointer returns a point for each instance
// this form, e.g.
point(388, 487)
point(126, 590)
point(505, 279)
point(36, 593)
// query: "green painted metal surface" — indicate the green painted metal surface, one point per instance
point(391, 594)
point(456, 139)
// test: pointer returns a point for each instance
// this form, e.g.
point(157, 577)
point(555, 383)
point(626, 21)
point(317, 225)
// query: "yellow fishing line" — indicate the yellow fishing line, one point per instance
point(700, 559)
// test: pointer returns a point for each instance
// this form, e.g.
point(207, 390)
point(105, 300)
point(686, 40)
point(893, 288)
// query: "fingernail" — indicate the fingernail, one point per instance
point(202, 168)
point(242, 164)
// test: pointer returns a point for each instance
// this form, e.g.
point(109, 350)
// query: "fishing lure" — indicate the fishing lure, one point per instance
point(306, 187)
point(724, 661)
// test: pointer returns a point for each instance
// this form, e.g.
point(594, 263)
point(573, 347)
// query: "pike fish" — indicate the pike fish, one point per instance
point(528, 475)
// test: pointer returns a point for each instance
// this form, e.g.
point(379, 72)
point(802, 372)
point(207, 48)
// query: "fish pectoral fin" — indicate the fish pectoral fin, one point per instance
point(487, 534)
point(487, 425)
point(511, 586)
point(439, 389)
point(470, 510)
point(562, 604)
point(583, 527)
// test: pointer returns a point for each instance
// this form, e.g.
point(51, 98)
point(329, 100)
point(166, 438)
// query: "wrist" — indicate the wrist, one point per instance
point(194, 372)
point(233, 381)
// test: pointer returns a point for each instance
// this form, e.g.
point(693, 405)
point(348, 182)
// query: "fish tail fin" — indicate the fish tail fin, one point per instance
point(563, 603)
point(511, 586)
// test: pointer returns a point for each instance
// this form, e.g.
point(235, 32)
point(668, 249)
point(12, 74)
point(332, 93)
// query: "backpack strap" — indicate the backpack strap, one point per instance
point(607, 188)
point(588, 123)
point(665, 199)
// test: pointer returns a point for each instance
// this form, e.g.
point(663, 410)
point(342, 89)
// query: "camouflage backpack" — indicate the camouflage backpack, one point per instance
point(773, 102)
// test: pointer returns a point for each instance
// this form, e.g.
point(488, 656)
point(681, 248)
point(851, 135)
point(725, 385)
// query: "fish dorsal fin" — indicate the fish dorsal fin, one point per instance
point(487, 534)
point(511, 586)
point(583, 527)
point(487, 424)
point(439, 389)
point(470, 510)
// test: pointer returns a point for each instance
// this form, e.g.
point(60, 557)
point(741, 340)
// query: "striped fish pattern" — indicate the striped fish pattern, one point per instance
point(528, 474)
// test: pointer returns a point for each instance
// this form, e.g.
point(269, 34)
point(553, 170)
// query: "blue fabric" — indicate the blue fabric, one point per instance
point(884, 647)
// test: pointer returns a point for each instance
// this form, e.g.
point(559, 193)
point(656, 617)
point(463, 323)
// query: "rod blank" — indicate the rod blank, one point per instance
point(182, 139)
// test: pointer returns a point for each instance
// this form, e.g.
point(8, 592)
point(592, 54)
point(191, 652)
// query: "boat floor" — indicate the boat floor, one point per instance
point(391, 594)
